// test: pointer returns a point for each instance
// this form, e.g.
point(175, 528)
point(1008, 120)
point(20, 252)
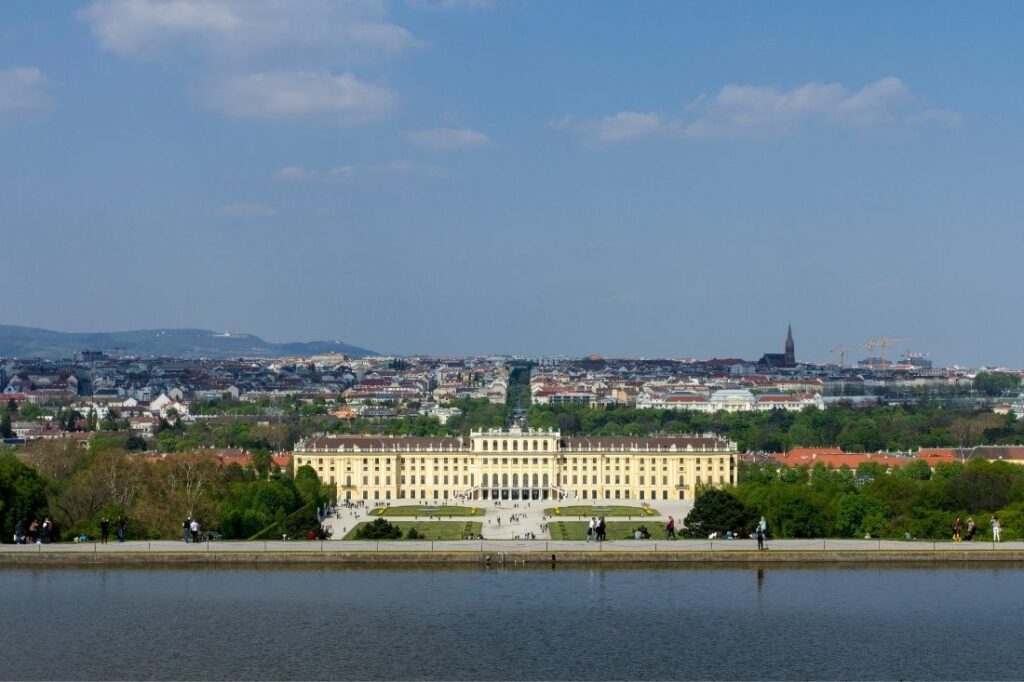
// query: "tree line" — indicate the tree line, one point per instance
point(854, 429)
point(910, 502)
point(77, 487)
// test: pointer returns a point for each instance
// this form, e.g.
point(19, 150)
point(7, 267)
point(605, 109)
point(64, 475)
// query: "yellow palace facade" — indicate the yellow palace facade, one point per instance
point(518, 464)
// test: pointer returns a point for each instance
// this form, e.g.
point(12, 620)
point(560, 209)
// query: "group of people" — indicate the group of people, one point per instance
point(36, 534)
point(596, 530)
point(190, 530)
point(121, 528)
point(959, 532)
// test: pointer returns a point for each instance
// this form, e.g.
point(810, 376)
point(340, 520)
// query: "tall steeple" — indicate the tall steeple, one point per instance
point(790, 347)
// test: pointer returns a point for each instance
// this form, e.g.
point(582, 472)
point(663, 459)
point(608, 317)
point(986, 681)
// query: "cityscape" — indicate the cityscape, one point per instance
point(511, 340)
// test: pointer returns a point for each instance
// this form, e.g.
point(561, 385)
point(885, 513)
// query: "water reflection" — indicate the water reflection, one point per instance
point(509, 622)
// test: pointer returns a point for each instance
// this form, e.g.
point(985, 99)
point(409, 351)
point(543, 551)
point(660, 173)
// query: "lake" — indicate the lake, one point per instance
point(878, 622)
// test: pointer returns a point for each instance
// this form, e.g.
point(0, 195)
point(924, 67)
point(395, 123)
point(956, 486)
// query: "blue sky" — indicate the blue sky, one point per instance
point(477, 176)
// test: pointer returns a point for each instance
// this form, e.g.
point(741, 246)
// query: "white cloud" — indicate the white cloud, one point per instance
point(447, 5)
point(406, 167)
point(277, 94)
point(447, 139)
point(243, 28)
point(245, 211)
point(738, 111)
point(21, 90)
point(341, 174)
point(624, 125)
point(295, 174)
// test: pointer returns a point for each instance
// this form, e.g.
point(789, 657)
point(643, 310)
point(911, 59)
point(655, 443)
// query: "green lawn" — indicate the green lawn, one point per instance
point(588, 510)
point(427, 510)
point(431, 530)
point(615, 530)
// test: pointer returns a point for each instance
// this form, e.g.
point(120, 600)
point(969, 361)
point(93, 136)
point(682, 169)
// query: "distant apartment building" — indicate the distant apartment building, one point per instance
point(729, 400)
point(519, 464)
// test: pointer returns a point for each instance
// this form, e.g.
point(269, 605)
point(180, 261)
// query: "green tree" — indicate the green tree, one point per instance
point(799, 513)
point(5, 426)
point(308, 485)
point(996, 383)
point(717, 510)
point(22, 495)
point(917, 470)
point(379, 529)
point(859, 515)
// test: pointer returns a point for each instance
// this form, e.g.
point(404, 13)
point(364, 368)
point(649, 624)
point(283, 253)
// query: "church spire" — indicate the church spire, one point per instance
point(790, 346)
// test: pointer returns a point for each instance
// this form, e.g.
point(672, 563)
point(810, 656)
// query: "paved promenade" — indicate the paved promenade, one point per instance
point(500, 551)
point(497, 523)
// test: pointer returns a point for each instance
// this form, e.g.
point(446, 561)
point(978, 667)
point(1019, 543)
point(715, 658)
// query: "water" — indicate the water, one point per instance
point(565, 623)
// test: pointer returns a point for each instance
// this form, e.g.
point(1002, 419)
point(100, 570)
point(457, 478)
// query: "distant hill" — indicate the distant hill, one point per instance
point(27, 342)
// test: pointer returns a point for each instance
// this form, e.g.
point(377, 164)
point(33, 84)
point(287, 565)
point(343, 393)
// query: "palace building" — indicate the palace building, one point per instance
point(519, 464)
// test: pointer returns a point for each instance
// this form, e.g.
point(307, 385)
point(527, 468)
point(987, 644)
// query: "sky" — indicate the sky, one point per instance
point(656, 179)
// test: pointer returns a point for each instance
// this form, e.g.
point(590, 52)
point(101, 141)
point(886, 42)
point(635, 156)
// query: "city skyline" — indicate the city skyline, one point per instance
point(479, 176)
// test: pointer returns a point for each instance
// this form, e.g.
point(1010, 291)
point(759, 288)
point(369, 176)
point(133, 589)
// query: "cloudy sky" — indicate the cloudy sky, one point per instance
point(476, 176)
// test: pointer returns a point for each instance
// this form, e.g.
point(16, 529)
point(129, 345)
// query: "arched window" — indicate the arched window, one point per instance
point(504, 480)
point(348, 480)
point(535, 446)
point(494, 445)
point(545, 480)
point(544, 446)
point(504, 445)
point(526, 445)
point(485, 446)
point(484, 480)
point(535, 480)
point(680, 479)
point(515, 445)
point(515, 480)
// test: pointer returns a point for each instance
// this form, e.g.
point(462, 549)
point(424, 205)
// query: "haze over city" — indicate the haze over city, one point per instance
point(479, 176)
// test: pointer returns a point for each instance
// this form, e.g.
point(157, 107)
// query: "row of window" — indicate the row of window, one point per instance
point(537, 481)
point(515, 445)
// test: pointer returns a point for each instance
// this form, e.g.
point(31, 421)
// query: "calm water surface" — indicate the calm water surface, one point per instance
point(568, 623)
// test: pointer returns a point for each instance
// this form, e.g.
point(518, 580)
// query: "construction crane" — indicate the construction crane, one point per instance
point(870, 347)
point(884, 342)
point(840, 352)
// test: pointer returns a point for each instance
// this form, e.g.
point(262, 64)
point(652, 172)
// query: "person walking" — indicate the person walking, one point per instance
point(104, 530)
point(957, 526)
point(970, 529)
point(186, 528)
point(121, 525)
point(592, 529)
point(670, 529)
point(601, 530)
point(759, 534)
point(47, 530)
point(996, 530)
point(194, 529)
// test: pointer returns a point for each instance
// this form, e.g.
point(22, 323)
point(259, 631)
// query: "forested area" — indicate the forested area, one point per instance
point(76, 488)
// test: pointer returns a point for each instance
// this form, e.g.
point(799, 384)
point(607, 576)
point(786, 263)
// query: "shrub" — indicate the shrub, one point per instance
point(379, 529)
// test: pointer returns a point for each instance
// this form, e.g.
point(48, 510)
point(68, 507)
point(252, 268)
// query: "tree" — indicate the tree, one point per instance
point(5, 426)
point(22, 495)
point(996, 383)
point(718, 511)
point(308, 485)
point(917, 470)
point(800, 514)
point(379, 529)
point(261, 463)
point(860, 515)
